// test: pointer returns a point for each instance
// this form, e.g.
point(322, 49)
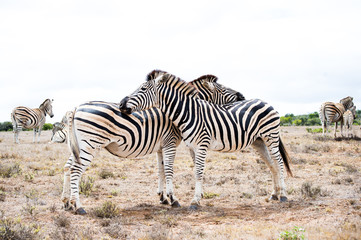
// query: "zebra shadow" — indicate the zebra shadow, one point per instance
point(213, 214)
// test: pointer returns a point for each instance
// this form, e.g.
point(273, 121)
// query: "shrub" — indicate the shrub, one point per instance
point(9, 171)
point(106, 173)
point(62, 221)
point(107, 210)
point(295, 234)
point(316, 130)
point(11, 229)
point(6, 126)
point(207, 195)
point(308, 191)
point(86, 186)
point(47, 126)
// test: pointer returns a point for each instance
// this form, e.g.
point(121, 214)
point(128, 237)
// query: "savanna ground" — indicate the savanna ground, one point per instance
point(324, 194)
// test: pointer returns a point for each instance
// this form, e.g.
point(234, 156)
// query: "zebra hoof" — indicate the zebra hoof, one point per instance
point(80, 211)
point(273, 197)
point(283, 199)
point(193, 207)
point(68, 206)
point(175, 204)
point(164, 201)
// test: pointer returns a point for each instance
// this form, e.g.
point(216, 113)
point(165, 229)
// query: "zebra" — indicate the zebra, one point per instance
point(333, 112)
point(348, 118)
point(24, 117)
point(99, 124)
point(60, 130)
point(204, 125)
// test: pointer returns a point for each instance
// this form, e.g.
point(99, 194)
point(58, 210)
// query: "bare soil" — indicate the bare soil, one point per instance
point(324, 194)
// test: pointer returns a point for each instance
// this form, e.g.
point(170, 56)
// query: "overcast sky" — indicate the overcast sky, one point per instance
point(292, 54)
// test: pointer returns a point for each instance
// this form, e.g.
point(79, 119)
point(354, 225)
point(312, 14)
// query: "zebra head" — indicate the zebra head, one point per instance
point(210, 90)
point(47, 107)
point(144, 97)
point(347, 102)
point(58, 134)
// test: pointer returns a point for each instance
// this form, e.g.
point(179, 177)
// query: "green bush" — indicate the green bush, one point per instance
point(47, 126)
point(6, 126)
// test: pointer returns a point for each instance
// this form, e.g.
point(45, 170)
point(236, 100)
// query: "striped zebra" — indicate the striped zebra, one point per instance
point(60, 130)
point(348, 118)
point(24, 117)
point(96, 125)
point(333, 112)
point(224, 128)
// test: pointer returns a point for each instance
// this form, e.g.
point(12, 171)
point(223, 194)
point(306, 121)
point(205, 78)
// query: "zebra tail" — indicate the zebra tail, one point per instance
point(286, 158)
point(73, 141)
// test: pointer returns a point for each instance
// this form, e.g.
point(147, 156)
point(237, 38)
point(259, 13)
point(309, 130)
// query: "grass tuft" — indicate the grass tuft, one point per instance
point(107, 210)
point(86, 186)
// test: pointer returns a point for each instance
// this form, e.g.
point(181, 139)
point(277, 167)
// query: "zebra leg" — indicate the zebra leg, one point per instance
point(199, 161)
point(261, 148)
point(65, 197)
point(168, 159)
point(335, 129)
point(16, 135)
point(161, 177)
point(39, 131)
point(76, 171)
point(34, 136)
point(274, 150)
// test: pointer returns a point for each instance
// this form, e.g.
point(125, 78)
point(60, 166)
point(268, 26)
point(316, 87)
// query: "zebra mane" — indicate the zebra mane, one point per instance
point(188, 89)
point(44, 103)
point(208, 77)
point(154, 74)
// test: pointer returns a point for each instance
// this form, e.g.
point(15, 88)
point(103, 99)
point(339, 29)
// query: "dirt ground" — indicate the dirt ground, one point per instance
point(324, 194)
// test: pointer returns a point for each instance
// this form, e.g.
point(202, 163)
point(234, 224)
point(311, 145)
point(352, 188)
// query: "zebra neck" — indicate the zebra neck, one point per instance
point(184, 114)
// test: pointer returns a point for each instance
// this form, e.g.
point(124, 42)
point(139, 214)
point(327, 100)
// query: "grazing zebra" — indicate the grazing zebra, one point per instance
point(204, 125)
point(348, 118)
point(23, 117)
point(333, 112)
point(60, 130)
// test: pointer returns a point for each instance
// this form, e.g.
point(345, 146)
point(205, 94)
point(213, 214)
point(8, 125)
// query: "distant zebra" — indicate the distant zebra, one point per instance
point(23, 117)
point(204, 125)
point(333, 112)
point(101, 125)
point(348, 118)
point(60, 130)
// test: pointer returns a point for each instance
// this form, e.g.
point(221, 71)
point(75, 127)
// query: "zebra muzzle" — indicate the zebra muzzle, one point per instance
point(123, 106)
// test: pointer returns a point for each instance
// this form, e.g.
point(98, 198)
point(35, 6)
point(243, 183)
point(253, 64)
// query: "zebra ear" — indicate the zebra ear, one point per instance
point(208, 85)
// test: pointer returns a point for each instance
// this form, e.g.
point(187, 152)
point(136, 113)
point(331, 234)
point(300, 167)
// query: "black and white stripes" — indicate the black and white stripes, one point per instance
point(95, 125)
point(24, 117)
point(204, 125)
point(333, 112)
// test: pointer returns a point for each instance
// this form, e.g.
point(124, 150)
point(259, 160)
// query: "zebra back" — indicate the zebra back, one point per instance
point(24, 117)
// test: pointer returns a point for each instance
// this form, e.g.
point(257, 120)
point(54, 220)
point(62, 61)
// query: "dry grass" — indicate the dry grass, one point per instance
point(324, 195)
